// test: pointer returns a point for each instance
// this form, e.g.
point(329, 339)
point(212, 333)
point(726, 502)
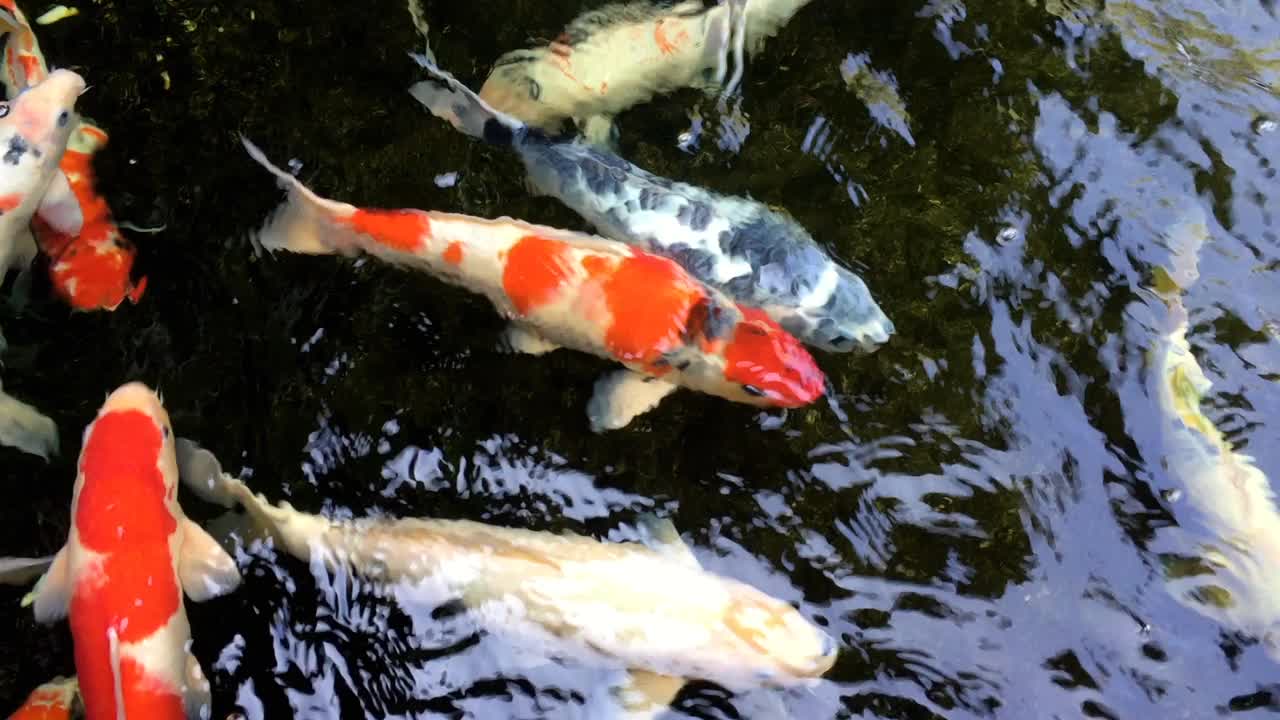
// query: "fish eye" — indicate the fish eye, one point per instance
point(63, 118)
point(753, 390)
point(4, 109)
point(535, 90)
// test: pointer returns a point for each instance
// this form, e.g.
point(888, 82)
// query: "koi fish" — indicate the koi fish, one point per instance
point(130, 556)
point(58, 699)
point(623, 54)
point(568, 289)
point(758, 257)
point(566, 595)
point(91, 261)
point(34, 129)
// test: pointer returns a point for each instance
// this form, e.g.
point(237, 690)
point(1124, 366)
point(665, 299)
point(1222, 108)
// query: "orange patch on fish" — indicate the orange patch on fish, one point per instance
point(10, 201)
point(403, 230)
point(90, 269)
point(536, 270)
point(30, 65)
point(650, 298)
point(453, 253)
point(45, 703)
point(596, 265)
point(665, 46)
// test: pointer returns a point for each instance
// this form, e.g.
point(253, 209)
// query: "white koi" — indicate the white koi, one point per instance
point(563, 595)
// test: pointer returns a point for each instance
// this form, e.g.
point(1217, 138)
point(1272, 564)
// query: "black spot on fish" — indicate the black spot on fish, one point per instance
point(650, 199)
point(516, 57)
point(710, 320)
point(696, 215)
point(498, 133)
point(632, 205)
point(700, 263)
point(17, 147)
point(684, 365)
point(782, 263)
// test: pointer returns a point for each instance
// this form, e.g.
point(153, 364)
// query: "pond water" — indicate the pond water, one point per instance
point(1000, 513)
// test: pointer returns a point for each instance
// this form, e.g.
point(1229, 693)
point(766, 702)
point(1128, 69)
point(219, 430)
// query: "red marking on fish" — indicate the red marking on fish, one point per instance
point(51, 701)
point(403, 230)
point(650, 299)
point(536, 270)
point(453, 253)
point(769, 358)
point(9, 202)
point(31, 65)
point(596, 265)
point(665, 46)
point(90, 268)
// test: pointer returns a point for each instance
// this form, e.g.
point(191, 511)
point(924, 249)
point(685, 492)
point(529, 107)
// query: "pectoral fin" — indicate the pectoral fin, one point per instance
point(520, 339)
point(645, 694)
point(621, 396)
point(24, 428)
point(195, 694)
point(200, 471)
point(20, 571)
point(60, 209)
point(667, 540)
point(206, 570)
point(52, 593)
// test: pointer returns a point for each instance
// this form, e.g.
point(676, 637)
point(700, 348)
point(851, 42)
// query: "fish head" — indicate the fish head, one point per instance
point(781, 646)
point(764, 365)
point(35, 127)
point(514, 88)
point(132, 430)
point(849, 321)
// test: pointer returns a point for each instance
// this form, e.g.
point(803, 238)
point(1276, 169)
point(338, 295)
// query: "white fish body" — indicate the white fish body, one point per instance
point(1225, 493)
point(651, 611)
point(624, 54)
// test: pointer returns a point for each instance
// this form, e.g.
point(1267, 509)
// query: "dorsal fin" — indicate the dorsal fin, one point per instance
point(663, 537)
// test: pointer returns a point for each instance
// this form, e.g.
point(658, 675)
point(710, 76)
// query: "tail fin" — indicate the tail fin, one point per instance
point(463, 108)
point(305, 223)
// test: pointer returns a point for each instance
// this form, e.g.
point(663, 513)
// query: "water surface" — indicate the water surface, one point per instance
point(987, 513)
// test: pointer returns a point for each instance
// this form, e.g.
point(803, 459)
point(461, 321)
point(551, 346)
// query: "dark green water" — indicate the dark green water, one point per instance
point(983, 514)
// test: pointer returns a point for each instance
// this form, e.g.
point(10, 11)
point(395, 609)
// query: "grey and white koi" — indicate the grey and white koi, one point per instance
point(759, 257)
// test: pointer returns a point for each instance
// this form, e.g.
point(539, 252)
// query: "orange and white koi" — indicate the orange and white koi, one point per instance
point(58, 699)
point(34, 129)
point(569, 289)
point(129, 557)
point(91, 260)
point(623, 54)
